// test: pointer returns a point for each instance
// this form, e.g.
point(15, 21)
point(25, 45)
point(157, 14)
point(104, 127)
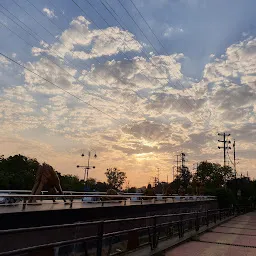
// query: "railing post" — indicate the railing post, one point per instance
point(154, 232)
point(100, 238)
point(71, 202)
point(207, 218)
point(24, 203)
point(181, 226)
point(215, 217)
point(220, 214)
point(197, 221)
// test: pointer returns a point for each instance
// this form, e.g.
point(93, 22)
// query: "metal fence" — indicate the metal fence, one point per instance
point(116, 237)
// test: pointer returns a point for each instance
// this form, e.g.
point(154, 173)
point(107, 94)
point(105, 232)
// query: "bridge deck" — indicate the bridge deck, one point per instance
point(236, 237)
point(77, 204)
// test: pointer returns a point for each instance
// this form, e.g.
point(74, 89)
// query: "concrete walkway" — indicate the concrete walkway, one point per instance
point(235, 237)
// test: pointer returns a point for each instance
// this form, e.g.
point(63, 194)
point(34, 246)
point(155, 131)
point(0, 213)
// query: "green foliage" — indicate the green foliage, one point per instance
point(213, 175)
point(184, 177)
point(132, 190)
point(225, 198)
point(116, 178)
point(18, 173)
point(71, 183)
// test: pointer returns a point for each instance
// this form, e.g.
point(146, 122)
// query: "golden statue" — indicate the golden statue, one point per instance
point(46, 176)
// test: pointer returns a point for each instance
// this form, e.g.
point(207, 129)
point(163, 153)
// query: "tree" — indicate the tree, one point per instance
point(115, 177)
point(102, 186)
point(184, 177)
point(17, 172)
point(212, 175)
point(71, 183)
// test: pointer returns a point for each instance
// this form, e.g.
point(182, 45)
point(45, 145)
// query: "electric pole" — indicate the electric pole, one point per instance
point(224, 141)
point(234, 151)
point(158, 175)
point(177, 164)
point(173, 175)
point(183, 160)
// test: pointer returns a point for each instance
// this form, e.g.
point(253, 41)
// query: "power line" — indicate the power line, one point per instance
point(32, 4)
point(124, 42)
point(60, 29)
point(148, 26)
point(46, 55)
point(138, 27)
point(71, 94)
point(69, 62)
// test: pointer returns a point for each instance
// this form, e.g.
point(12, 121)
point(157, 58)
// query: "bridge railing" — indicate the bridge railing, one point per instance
point(126, 235)
point(123, 199)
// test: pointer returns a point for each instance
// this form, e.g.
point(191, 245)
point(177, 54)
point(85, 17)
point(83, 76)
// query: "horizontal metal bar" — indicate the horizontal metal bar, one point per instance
point(9, 231)
point(44, 246)
point(96, 196)
point(126, 231)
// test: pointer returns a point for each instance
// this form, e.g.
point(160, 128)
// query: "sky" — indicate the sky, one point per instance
point(136, 81)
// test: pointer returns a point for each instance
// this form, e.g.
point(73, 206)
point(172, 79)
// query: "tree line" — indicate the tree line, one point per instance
point(18, 173)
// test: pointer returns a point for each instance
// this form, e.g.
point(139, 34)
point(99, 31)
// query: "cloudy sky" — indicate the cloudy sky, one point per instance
point(136, 81)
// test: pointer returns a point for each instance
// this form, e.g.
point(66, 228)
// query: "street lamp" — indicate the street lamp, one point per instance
point(87, 167)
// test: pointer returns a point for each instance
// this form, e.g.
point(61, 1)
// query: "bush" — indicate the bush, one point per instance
point(225, 198)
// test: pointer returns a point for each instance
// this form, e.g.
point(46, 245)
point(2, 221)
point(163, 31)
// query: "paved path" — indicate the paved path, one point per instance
point(235, 237)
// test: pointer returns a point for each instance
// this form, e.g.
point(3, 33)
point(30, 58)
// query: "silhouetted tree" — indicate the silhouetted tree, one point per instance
point(212, 175)
point(116, 178)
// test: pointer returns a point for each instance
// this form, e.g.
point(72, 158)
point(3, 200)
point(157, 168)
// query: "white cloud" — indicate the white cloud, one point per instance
point(170, 31)
point(97, 42)
point(49, 13)
point(160, 110)
point(4, 61)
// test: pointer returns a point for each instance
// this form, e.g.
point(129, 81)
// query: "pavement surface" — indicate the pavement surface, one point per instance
point(235, 237)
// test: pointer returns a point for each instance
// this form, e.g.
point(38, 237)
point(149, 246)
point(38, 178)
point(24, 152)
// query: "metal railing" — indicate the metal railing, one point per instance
point(100, 199)
point(103, 236)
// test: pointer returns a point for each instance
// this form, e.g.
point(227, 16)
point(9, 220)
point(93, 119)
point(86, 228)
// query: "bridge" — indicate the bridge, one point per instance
point(91, 224)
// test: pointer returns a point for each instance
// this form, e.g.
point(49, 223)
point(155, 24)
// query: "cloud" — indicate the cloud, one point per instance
point(170, 31)
point(96, 42)
point(4, 61)
point(159, 110)
point(49, 13)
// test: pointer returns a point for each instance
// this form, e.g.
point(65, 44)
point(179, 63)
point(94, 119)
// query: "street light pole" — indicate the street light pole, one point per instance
point(88, 167)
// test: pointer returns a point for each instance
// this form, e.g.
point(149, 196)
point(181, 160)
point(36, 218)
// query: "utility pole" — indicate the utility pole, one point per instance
point(234, 151)
point(183, 160)
point(158, 175)
point(177, 164)
point(173, 175)
point(224, 141)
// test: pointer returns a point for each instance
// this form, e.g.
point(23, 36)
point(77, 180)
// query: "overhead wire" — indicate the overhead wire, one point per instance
point(65, 58)
point(147, 56)
point(28, 1)
point(59, 87)
point(60, 29)
point(151, 100)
